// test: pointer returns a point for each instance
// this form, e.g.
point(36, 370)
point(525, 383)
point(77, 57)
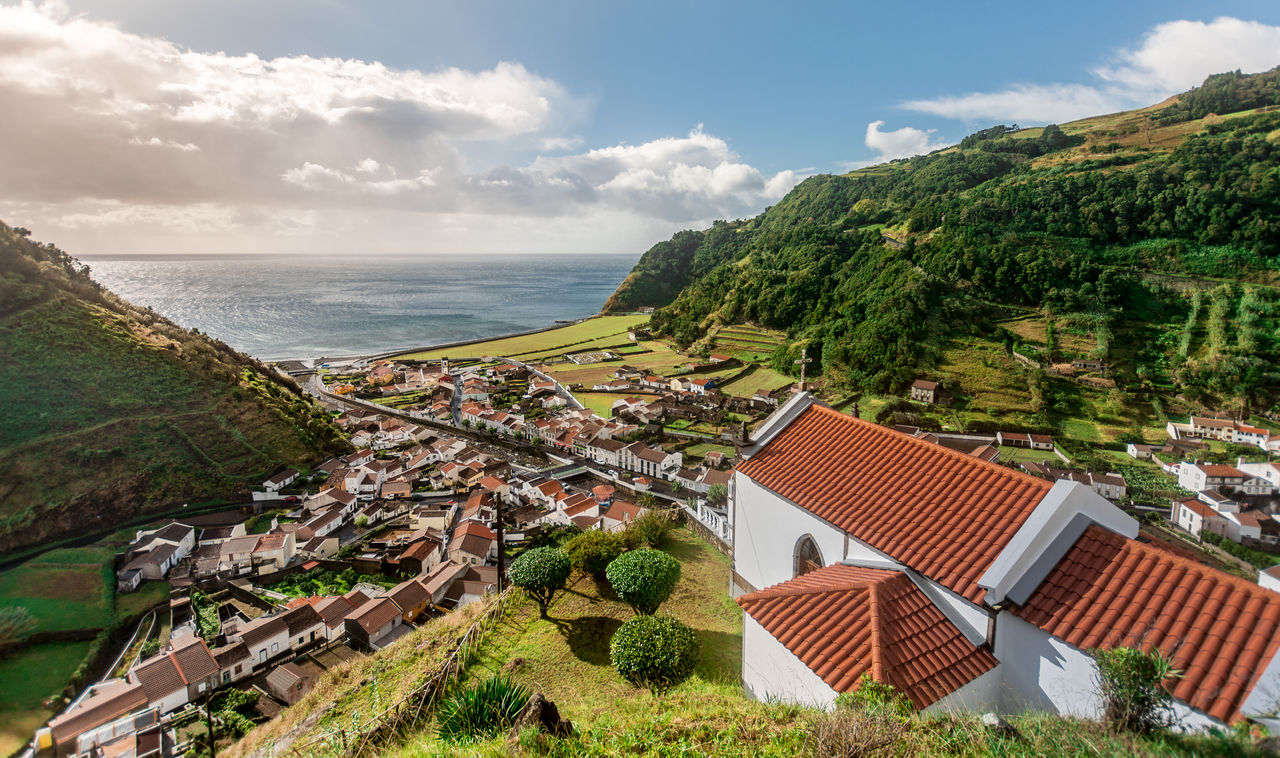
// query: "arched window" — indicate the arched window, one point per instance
point(808, 557)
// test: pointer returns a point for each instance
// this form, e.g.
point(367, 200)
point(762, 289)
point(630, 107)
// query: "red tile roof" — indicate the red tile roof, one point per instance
point(943, 513)
point(1222, 470)
point(1108, 591)
point(846, 621)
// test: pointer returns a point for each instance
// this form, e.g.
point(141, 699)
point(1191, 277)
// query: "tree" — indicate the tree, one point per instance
point(362, 521)
point(644, 579)
point(541, 572)
point(676, 486)
point(718, 494)
point(657, 652)
point(592, 551)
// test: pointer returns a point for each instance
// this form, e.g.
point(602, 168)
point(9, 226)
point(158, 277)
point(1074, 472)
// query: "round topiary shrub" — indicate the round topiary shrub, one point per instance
point(591, 552)
point(541, 572)
point(644, 578)
point(656, 652)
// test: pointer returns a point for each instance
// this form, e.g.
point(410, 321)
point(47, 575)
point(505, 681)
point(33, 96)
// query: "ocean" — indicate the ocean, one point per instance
point(284, 306)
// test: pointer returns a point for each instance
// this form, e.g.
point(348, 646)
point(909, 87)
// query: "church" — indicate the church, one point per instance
point(967, 585)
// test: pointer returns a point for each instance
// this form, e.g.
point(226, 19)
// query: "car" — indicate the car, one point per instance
point(613, 472)
point(292, 499)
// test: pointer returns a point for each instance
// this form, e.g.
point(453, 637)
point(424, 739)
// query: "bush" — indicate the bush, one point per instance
point(852, 733)
point(483, 710)
point(591, 552)
point(644, 579)
point(16, 624)
point(1132, 687)
point(541, 572)
point(652, 528)
point(873, 697)
point(656, 652)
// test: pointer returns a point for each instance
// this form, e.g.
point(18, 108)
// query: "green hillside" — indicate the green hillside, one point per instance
point(1149, 239)
point(112, 411)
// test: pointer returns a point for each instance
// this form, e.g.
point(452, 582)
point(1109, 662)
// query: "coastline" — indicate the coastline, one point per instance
point(440, 346)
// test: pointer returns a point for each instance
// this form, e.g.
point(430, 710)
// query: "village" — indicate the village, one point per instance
point(460, 465)
point(413, 524)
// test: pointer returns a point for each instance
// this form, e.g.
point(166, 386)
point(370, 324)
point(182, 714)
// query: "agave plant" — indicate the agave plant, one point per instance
point(482, 710)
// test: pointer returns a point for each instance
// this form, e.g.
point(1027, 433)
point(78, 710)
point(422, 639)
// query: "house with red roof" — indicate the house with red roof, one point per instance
point(967, 585)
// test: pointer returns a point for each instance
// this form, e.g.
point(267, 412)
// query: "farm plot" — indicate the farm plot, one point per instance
point(70, 588)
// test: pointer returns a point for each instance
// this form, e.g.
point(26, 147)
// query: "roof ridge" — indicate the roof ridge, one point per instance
point(875, 621)
point(879, 429)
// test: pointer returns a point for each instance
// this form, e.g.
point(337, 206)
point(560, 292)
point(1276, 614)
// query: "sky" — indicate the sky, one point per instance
point(334, 128)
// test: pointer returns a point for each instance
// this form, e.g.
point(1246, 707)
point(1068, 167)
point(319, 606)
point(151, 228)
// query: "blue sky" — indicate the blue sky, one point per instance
point(580, 127)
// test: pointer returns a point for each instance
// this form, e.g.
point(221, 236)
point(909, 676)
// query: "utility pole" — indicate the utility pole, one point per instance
point(208, 715)
point(502, 546)
point(803, 361)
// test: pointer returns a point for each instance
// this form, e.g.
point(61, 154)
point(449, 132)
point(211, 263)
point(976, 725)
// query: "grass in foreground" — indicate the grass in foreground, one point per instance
point(566, 657)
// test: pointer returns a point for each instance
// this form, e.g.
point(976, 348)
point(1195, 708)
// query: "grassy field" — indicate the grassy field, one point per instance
point(565, 339)
point(566, 658)
point(600, 402)
point(26, 679)
point(69, 588)
point(757, 378)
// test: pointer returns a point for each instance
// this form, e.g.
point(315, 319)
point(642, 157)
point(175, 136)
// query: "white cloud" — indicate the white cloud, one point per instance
point(1171, 58)
point(116, 127)
point(900, 143)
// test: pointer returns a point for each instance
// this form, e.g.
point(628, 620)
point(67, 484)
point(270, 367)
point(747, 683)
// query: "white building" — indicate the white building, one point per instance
point(970, 586)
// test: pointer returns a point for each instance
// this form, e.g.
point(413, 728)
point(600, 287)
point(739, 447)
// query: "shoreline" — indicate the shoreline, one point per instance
point(440, 346)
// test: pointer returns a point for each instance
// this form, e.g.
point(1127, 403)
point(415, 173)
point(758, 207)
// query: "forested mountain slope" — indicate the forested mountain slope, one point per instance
point(111, 411)
point(874, 270)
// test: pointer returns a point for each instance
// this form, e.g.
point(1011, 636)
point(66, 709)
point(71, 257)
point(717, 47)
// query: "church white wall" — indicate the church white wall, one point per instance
point(1043, 673)
point(979, 696)
point(767, 529)
point(771, 672)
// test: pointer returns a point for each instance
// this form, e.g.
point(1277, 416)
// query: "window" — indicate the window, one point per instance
point(807, 557)
point(275, 646)
point(200, 687)
point(226, 675)
point(302, 639)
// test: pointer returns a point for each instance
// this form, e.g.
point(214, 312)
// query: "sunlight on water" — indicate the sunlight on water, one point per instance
point(291, 307)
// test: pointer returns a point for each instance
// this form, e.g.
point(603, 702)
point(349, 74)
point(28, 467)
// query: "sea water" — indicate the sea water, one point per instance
point(288, 306)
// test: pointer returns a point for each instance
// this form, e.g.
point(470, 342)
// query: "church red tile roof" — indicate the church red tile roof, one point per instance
point(1108, 591)
point(846, 621)
point(943, 513)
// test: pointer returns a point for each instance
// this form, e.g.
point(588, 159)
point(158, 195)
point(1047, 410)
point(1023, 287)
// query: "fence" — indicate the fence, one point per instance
point(396, 721)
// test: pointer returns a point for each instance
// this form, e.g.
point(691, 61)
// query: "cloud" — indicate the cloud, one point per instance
point(115, 127)
point(1171, 58)
point(900, 143)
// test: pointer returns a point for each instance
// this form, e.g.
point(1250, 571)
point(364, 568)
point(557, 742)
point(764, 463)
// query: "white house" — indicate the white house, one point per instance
point(1203, 476)
point(280, 481)
point(968, 585)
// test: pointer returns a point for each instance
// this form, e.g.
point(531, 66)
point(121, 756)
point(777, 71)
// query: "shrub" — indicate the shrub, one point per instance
point(644, 578)
point(482, 710)
point(16, 624)
point(656, 652)
point(591, 552)
point(541, 572)
point(1132, 686)
point(871, 696)
point(852, 733)
point(652, 528)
